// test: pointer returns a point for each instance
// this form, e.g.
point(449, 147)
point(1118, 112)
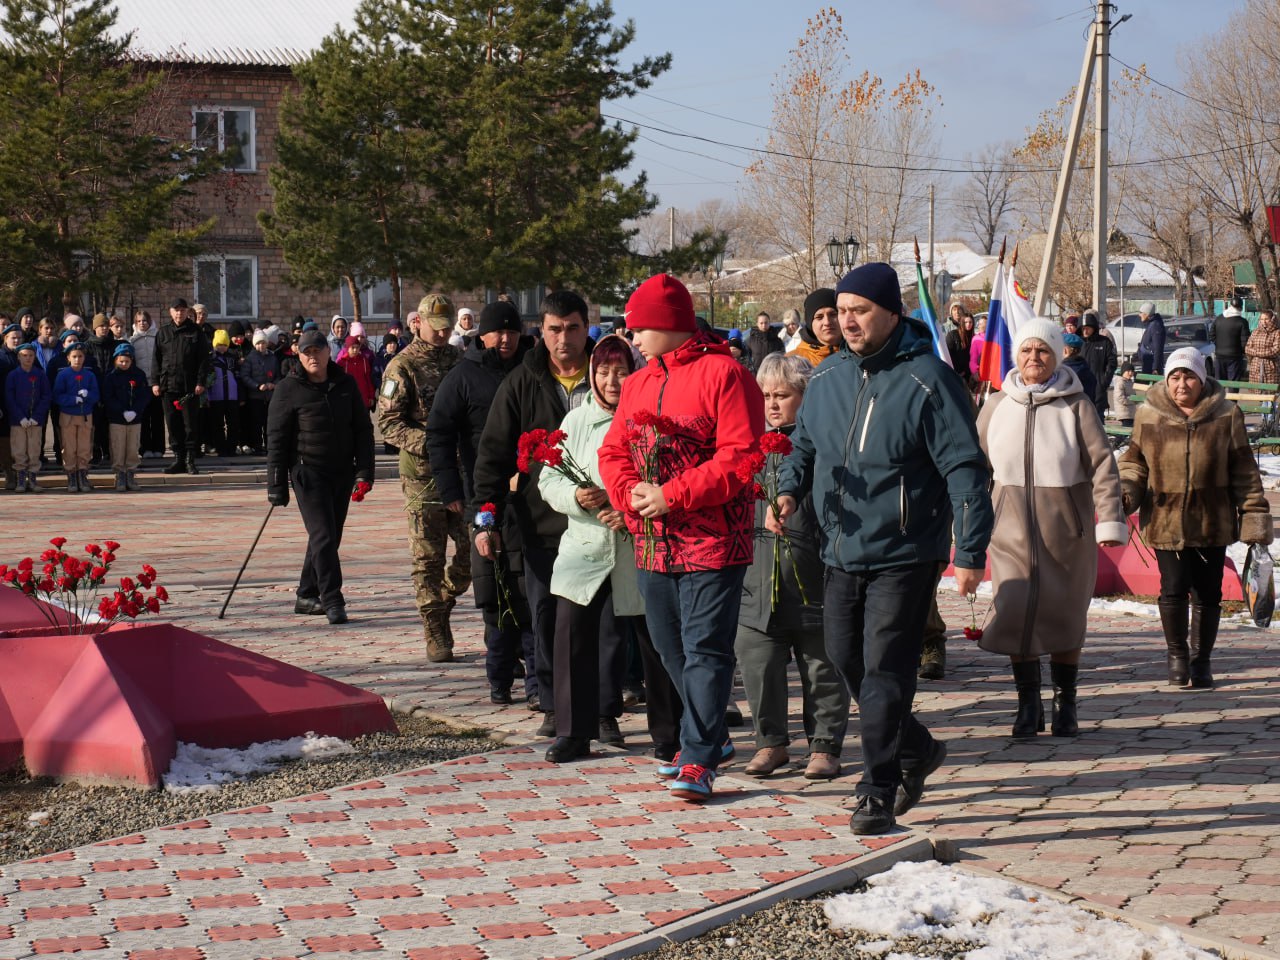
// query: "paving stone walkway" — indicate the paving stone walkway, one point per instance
point(1165, 807)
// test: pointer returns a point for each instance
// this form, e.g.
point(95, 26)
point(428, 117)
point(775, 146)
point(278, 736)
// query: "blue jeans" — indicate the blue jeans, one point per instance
point(693, 620)
point(874, 628)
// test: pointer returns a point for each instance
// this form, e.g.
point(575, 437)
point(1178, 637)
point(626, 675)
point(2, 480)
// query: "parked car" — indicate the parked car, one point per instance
point(1188, 331)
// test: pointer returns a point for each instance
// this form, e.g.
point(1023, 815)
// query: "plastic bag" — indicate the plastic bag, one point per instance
point(1259, 585)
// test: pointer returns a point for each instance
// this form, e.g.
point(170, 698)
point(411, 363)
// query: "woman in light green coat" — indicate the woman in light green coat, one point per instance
point(595, 580)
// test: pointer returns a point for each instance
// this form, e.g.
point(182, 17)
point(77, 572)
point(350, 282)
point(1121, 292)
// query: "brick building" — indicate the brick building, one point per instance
point(228, 66)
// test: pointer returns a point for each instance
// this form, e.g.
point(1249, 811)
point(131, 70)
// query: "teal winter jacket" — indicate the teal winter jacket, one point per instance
point(887, 447)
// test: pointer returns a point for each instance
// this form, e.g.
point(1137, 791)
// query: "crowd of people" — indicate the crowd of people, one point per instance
point(648, 515)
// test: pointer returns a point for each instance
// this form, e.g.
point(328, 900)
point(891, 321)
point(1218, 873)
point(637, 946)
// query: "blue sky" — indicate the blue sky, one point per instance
point(996, 63)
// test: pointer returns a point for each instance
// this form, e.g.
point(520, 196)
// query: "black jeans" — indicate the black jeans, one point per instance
point(323, 499)
point(874, 628)
point(153, 426)
point(1193, 570)
point(1230, 368)
point(538, 562)
point(662, 705)
point(184, 424)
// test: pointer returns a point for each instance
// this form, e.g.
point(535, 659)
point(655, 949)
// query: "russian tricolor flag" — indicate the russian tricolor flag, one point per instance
point(997, 352)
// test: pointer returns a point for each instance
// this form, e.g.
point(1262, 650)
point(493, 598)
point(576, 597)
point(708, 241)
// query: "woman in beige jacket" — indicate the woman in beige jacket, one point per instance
point(1053, 472)
point(1189, 472)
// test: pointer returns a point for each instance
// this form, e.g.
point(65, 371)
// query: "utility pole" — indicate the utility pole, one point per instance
point(1102, 98)
point(671, 228)
point(932, 292)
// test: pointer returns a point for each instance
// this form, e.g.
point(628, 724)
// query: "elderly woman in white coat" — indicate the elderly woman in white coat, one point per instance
point(1054, 474)
point(594, 578)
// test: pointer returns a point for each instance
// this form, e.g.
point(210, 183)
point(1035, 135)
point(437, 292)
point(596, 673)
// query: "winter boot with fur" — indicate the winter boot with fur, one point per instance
point(1030, 717)
point(1204, 634)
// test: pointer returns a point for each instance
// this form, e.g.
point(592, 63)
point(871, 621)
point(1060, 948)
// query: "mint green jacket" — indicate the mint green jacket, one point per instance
point(589, 551)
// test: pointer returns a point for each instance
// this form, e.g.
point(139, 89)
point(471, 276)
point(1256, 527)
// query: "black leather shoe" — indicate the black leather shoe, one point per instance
point(178, 466)
point(871, 818)
point(568, 748)
point(912, 786)
point(191, 465)
point(500, 695)
point(336, 615)
point(307, 605)
point(548, 726)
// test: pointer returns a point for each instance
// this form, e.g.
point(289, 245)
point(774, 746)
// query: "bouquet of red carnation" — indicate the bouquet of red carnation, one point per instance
point(973, 631)
point(773, 447)
point(487, 522)
point(360, 491)
point(73, 584)
point(650, 436)
point(544, 447)
point(186, 398)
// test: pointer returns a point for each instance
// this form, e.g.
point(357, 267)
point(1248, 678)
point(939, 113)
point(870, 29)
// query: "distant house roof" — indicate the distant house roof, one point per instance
point(277, 33)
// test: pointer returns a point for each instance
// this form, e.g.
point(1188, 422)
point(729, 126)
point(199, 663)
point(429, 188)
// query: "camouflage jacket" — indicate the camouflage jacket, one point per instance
point(408, 389)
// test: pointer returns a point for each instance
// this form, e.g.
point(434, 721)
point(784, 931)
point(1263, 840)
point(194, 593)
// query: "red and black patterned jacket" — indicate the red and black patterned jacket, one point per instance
point(716, 414)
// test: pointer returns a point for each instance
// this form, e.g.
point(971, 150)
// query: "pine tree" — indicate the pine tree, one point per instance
point(357, 148)
point(92, 195)
point(534, 177)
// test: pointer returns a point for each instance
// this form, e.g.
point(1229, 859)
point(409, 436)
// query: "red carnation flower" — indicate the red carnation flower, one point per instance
point(153, 605)
point(97, 573)
point(26, 563)
point(111, 545)
point(644, 418)
point(163, 594)
point(108, 557)
point(488, 508)
point(58, 542)
point(127, 584)
point(149, 570)
point(92, 548)
point(775, 442)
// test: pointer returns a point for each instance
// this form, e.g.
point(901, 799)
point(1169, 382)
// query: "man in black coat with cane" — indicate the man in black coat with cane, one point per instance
point(320, 437)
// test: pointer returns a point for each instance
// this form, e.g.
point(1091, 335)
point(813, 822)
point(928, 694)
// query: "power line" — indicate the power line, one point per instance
point(1182, 93)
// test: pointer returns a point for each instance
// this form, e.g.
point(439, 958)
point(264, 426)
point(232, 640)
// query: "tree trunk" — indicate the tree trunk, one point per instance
point(393, 276)
point(355, 298)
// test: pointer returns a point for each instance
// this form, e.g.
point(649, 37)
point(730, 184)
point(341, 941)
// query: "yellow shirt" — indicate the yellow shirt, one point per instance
point(571, 381)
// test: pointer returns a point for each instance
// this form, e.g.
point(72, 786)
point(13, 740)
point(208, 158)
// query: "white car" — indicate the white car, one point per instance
point(1190, 331)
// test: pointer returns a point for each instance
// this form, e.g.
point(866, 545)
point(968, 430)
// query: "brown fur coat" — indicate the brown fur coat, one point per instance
point(1193, 478)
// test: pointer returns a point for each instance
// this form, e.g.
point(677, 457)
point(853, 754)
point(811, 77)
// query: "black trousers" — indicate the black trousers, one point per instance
point(153, 427)
point(184, 425)
point(224, 433)
point(662, 704)
point(590, 658)
point(873, 624)
point(1193, 570)
point(257, 424)
point(538, 562)
point(323, 499)
point(1230, 368)
point(101, 434)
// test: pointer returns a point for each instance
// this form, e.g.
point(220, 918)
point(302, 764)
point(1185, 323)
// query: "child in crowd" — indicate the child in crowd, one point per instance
point(125, 394)
point(224, 396)
point(357, 360)
point(690, 513)
point(1122, 396)
point(76, 392)
point(259, 375)
point(27, 395)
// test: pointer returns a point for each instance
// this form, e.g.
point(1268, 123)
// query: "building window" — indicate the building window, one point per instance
point(375, 301)
point(228, 286)
point(527, 301)
point(229, 131)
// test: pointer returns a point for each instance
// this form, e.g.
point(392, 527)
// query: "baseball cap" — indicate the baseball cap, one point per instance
point(437, 310)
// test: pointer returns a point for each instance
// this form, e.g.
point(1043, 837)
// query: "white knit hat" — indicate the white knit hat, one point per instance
point(1043, 329)
point(1186, 358)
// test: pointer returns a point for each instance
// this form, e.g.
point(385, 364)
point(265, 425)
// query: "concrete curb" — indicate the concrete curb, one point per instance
point(208, 477)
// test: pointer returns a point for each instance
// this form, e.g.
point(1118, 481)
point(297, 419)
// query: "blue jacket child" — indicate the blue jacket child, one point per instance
point(76, 392)
point(27, 394)
point(125, 390)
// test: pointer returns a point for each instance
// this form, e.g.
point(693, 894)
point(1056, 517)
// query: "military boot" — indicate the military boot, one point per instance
point(435, 629)
point(120, 484)
point(933, 658)
point(448, 622)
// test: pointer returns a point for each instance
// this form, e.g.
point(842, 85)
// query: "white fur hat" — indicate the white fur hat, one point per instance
point(1043, 329)
point(1186, 358)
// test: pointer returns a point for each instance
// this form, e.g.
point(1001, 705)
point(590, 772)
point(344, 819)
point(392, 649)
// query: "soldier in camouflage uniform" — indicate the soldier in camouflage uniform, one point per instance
point(409, 386)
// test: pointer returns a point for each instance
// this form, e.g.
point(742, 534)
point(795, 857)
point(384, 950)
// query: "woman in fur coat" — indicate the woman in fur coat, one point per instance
point(1054, 473)
point(1189, 472)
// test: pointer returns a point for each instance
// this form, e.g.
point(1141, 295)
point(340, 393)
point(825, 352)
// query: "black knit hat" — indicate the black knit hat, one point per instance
point(499, 315)
point(820, 299)
point(877, 282)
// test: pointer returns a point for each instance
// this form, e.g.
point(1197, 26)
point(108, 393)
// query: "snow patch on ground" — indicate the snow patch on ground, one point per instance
point(1269, 467)
point(930, 901)
point(198, 769)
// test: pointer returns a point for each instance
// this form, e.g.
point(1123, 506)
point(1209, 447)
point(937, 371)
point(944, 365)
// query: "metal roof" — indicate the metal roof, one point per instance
point(238, 32)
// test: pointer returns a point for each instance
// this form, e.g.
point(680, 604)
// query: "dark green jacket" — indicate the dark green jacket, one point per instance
point(887, 447)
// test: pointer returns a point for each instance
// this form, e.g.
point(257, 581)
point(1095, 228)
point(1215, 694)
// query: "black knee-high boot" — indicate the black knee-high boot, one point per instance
point(1173, 617)
point(1204, 634)
point(1030, 717)
point(1064, 677)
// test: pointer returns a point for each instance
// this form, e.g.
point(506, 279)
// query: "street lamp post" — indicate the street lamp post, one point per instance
point(842, 255)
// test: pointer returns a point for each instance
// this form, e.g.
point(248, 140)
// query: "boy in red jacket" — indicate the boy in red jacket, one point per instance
point(671, 463)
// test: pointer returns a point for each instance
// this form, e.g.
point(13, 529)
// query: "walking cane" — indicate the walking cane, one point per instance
point(253, 547)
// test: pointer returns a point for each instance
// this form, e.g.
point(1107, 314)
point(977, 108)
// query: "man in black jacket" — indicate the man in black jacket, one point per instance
point(1230, 333)
point(1100, 354)
point(454, 427)
point(550, 381)
point(762, 341)
point(183, 361)
point(320, 437)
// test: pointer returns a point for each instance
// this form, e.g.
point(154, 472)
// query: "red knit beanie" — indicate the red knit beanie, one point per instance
point(661, 303)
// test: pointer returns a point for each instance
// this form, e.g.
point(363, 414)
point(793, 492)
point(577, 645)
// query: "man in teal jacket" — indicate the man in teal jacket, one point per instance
point(885, 442)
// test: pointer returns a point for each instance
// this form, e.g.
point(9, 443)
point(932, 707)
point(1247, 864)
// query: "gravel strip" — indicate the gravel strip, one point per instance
point(88, 814)
point(799, 930)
